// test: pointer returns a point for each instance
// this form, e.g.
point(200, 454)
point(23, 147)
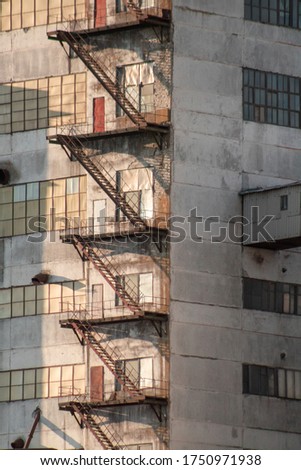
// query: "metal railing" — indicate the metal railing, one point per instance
point(109, 309)
point(150, 388)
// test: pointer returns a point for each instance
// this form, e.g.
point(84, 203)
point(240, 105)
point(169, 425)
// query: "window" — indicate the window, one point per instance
point(137, 82)
point(45, 205)
point(284, 202)
point(271, 98)
point(15, 14)
point(138, 286)
point(42, 299)
point(46, 382)
point(36, 104)
point(271, 382)
point(276, 12)
point(138, 370)
point(272, 296)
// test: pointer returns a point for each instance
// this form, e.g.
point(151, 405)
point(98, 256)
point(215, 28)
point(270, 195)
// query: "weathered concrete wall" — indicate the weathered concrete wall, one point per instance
point(37, 341)
point(216, 155)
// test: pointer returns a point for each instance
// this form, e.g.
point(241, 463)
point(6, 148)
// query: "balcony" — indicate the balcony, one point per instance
point(272, 217)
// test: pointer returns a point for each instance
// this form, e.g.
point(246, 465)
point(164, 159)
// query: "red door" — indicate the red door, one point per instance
point(100, 13)
point(97, 383)
point(99, 115)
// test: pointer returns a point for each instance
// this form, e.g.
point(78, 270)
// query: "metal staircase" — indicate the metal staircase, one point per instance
point(125, 290)
point(96, 425)
point(109, 355)
point(103, 74)
point(104, 179)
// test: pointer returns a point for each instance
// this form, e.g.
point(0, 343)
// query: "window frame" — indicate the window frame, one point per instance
point(292, 14)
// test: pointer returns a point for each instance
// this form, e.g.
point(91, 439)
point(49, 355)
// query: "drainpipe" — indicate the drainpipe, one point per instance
point(37, 415)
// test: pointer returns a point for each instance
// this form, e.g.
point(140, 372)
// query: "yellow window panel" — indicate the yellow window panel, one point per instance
point(59, 204)
point(6, 229)
point(16, 21)
point(29, 376)
point(41, 17)
point(4, 379)
point(83, 184)
point(68, 2)
point(79, 387)
point(80, 77)
point(55, 291)
point(31, 124)
point(6, 211)
point(19, 210)
point(80, 9)
point(5, 113)
point(5, 7)
point(79, 371)
point(17, 309)
point(27, 20)
point(5, 89)
point(67, 373)
point(59, 187)
point(42, 307)
point(43, 123)
point(42, 114)
point(6, 194)
point(16, 393)
point(4, 394)
point(16, 377)
point(29, 391)
point(55, 374)
point(4, 99)
point(80, 88)
point(19, 227)
point(55, 305)
point(68, 79)
point(18, 294)
point(18, 127)
point(46, 207)
point(18, 117)
point(28, 6)
point(18, 106)
point(30, 308)
point(16, 7)
point(32, 208)
point(5, 311)
point(43, 82)
point(42, 390)
point(54, 82)
point(43, 100)
point(42, 375)
point(5, 296)
point(42, 292)
point(30, 293)
point(46, 189)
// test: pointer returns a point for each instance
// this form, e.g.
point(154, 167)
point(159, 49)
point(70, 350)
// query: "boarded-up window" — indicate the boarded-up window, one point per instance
point(137, 81)
point(137, 186)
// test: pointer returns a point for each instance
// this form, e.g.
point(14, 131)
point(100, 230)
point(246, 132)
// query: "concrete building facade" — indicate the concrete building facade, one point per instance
point(120, 327)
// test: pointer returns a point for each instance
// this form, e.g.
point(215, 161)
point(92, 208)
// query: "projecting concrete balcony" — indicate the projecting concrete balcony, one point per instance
point(272, 217)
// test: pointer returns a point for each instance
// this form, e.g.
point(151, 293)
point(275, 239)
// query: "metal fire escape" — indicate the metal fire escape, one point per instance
point(77, 146)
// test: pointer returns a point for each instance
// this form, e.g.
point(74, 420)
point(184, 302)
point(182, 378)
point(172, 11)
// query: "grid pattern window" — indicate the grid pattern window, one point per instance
point(42, 206)
point(271, 296)
point(46, 382)
point(37, 104)
point(16, 14)
point(271, 98)
point(271, 382)
point(276, 12)
point(41, 299)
